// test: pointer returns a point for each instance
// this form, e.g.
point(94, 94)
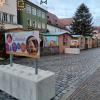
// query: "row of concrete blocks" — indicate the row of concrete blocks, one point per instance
point(22, 83)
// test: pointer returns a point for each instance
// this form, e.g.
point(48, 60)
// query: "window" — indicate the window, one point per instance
point(39, 13)
point(33, 11)
point(39, 24)
point(28, 9)
point(47, 16)
point(11, 18)
point(56, 24)
point(28, 22)
point(5, 17)
point(43, 25)
point(33, 24)
point(43, 15)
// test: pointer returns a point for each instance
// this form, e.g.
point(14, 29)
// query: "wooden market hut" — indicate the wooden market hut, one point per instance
point(94, 42)
point(64, 42)
point(80, 39)
point(88, 42)
point(58, 40)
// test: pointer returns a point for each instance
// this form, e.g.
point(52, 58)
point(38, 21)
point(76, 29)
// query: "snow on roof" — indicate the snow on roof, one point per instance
point(76, 36)
point(55, 33)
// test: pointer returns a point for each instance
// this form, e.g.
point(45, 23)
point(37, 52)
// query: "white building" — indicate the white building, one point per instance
point(8, 14)
point(52, 28)
point(54, 24)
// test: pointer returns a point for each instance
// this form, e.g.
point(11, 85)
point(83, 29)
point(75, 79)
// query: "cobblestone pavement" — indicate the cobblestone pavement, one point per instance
point(88, 90)
point(71, 70)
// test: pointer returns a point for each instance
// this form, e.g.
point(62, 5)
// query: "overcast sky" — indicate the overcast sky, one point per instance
point(67, 8)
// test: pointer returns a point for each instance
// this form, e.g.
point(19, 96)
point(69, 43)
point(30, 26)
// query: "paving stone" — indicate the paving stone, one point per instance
point(69, 68)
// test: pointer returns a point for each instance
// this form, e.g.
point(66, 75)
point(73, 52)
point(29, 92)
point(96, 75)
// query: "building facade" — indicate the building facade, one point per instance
point(52, 28)
point(54, 24)
point(8, 14)
point(8, 20)
point(66, 22)
point(32, 17)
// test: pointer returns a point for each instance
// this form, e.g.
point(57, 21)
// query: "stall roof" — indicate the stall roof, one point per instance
point(76, 36)
point(55, 33)
point(88, 37)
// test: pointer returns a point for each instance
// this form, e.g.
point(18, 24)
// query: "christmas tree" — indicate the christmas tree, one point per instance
point(82, 21)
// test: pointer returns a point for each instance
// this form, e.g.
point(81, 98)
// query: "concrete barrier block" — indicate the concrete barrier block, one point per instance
point(22, 83)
